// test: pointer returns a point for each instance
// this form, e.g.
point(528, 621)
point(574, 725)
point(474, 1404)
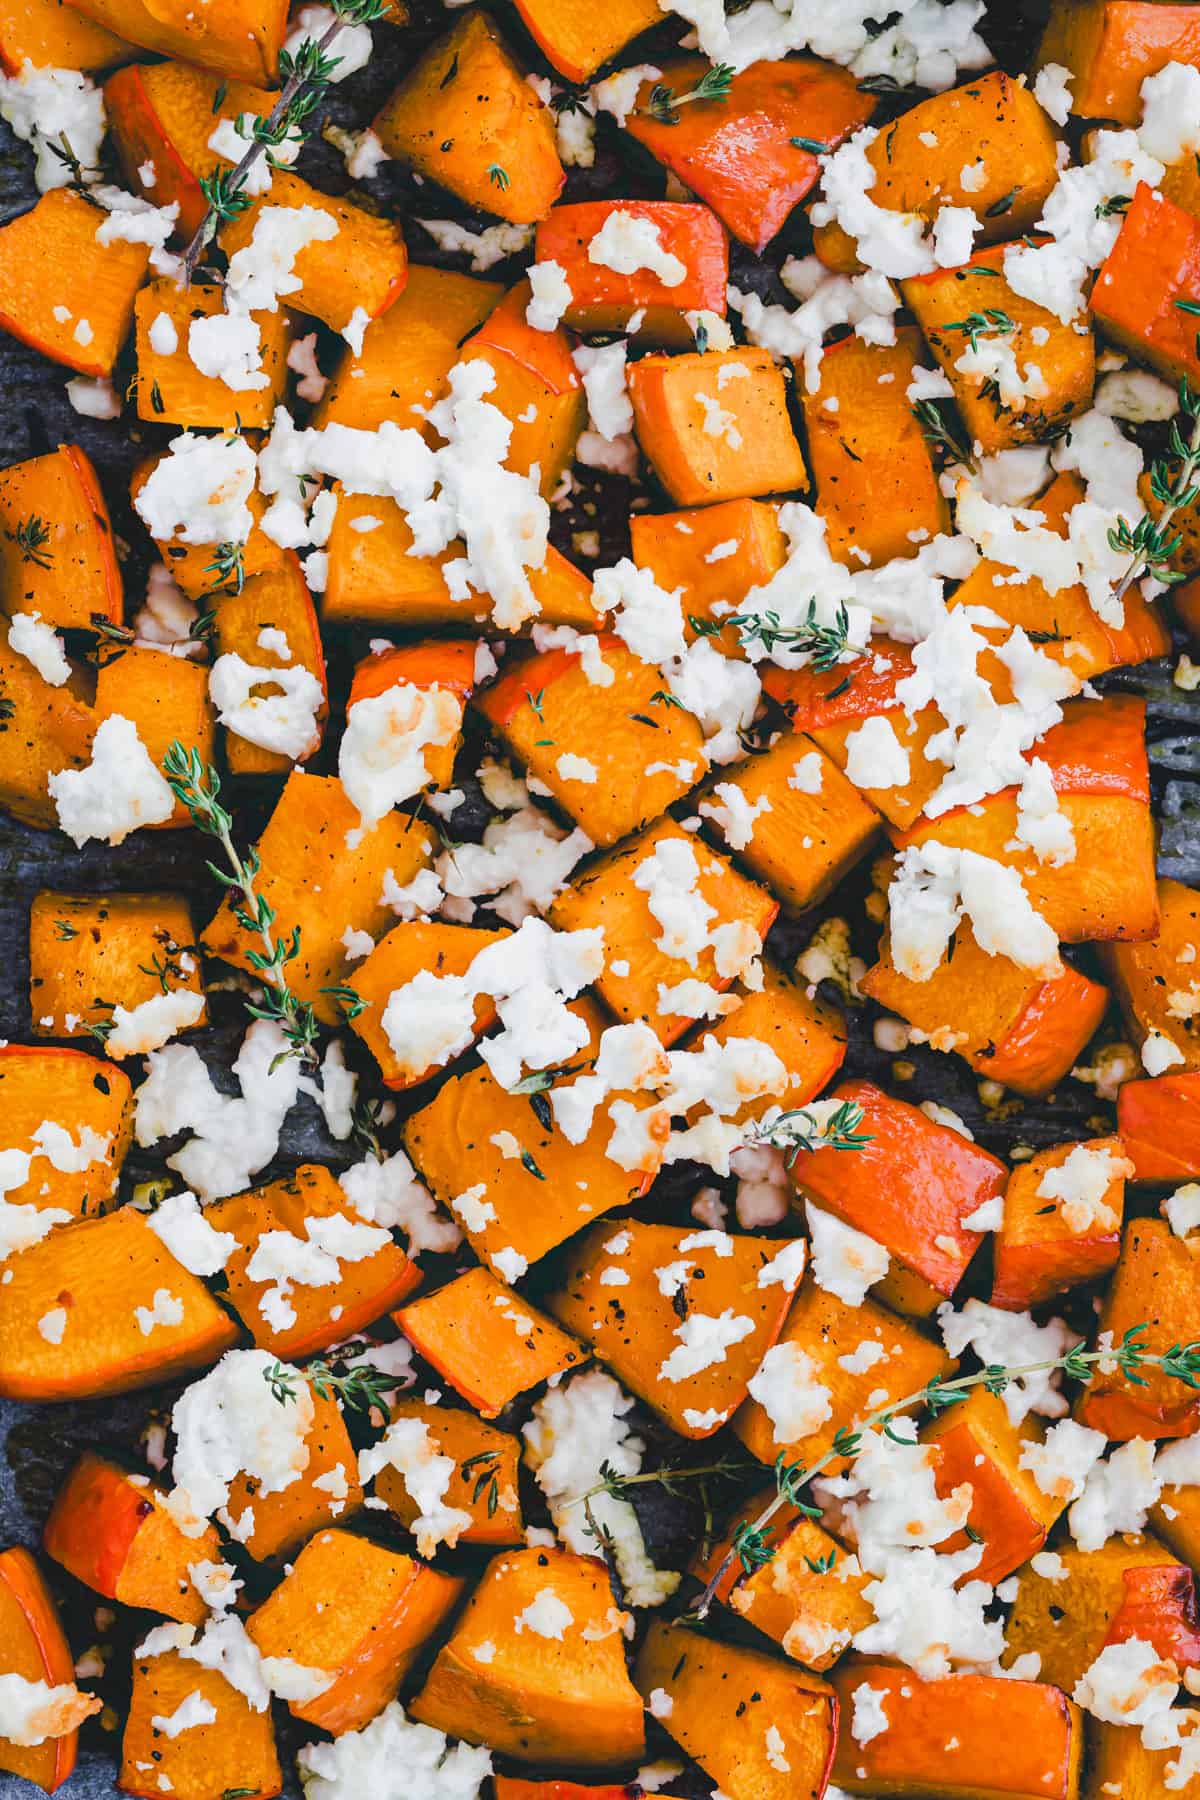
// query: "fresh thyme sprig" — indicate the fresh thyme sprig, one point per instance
point(360, 1386)
point(197, 786)
point(664, 102)
point(942, 434)
point(32, 536)
point(229, 567)
point(485, 1467)
point(825, 644)
point(801, 1129)
point(751, 1545)
point(366, 1120)
point(1151, 543)
point(991, 322)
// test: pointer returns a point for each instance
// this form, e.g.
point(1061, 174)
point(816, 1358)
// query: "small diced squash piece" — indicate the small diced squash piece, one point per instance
point(575, 39)
point(960, 1738)
point(34, 1646)
point(464, 116)
point(716, 426)
point(650, 1299)
point(237, 38)
point(52, 262)
point(488, 1342)
point(513, 1700)
point(1156, 1284)
point(294, 1318)
point(270, 622)
point(161, 116)
point(273, 1525)
point(1010, 1024)
point(86, 1285)
point(50, 35)
point(42, 1084)
point(89, 953)
point(877, 489)
point(752, 156)
point(808, 1597)
point(358, 1611)
point(912, 1186)
point(1157, 983)
point(618, 894)
point(344, 279)
point(1159, 1608)
point(806, 1034)
point(537, 387)
point(761, 1727)
point(485, 1479)
point(73, 576)
point(320, 882)
point(691, 247)
point(825, 1329)
point(166, 699)
point(1014, 383)
point(1175, 1516)
point(793, 818)
point(994, 129)
point(1110, 46)
point(445, 666)
point(611, 753)
point(1059, 1229)
point(193, 567)
point(1065, 1613)
point(412, 951)
point(172, 390)
point(1118, 1761)
point(713, 554)
point(977, 1443)
point(1159, 1124)
point(408, 351)
point(231, 1751)
point(43, 729)
point(114, 1532)
point(1154, 263)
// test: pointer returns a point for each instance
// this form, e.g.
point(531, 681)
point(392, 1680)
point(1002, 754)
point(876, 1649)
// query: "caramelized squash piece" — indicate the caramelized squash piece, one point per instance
point(165, 698)
point(1065, 1614)
point(273, 1525)
point(1159, 1123)
point(807, 1035)
point(412, 949)
point(575, 39)
point(42, 729)
point(1156, 983)
point(604, 299)
point(171, 390)
point(537, 387)
point(488, 1342)
point(444, 664)
point(1156, 1283)
point(68, 1088)
point(714, 555)
point(976, 1442)
point(1110, 46)
point(231, 1748)
point(1118, 1762)
point(33, 1645)
point(1154, 264)
point(192, 566)
point(50, 35)
point(74, 576)
point(237, 38)
point(89, 953)
point(250, 621)
point(716, 426)
point(1050, 1243)
point(52, 262)
point(485, 1479)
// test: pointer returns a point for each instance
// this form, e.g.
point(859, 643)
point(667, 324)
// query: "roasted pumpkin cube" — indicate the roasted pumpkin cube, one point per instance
point(1156, 1284)
point(1118, 1761)
point(465, 117)
point(1062, 1222)
point(941, 1738)
point(227, 1747)
point(114, 1532)
point(358, 1611)
point(512, 1698)
point(991, 127)
point(52, 263)
point(1155, 982)
point(328, 1488)
point(692, 277)
point(1021, 374)
point(446, 665)
point(648, 961)
point(195, 567)
point(485, 1479)
point(1175, 1516)
point(324, 882)
point(64, 1335)
point(302, 1216)
point(820, 1326)
point(537, 387)
point(1064, 1614)
point(1154, 264)
point(713, 555)
point(1110, 46)
point(412, 950)
point(976, 1442)
point(237, 38)
point(91, 953)
point(716, 426)
point(171, 388)
point(761, 1727)
point(805, 1033)
point(1159, 1123)
point(270, 622)
point(575, 39)
point(42, 1086)
point(48, 34)
point(72, 576)
point(166, 699)
point(751, 156)
point(657, 1305)
point(1159, 1609)
point(793, 818)
point(913, 1187)
point(43, 730)
point(488, 1342)
point(611, 754)
point(34, 1647)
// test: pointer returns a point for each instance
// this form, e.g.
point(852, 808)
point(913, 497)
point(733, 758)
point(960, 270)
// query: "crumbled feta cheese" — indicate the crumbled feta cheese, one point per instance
point(845, 1262)
point(47, 106)
point(786, 1388)
point(40, 645)
point(229, 1423)
point(627, 242)
point(406, 1446)
point(118, 791)
point(392, 1758)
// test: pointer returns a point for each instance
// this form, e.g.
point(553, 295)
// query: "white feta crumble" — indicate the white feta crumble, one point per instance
point(119, 790)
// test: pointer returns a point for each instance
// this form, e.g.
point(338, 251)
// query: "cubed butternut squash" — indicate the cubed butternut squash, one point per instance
point(33, 1645)
point(804, 1032)
point(50, 35)
point(1110, 46)
point(537, 387)
point(1159, 1123)
point(164, 697)
point(44, 1085)
point(171, 389)
point(1155, 983)
point(716, 426)
point(52, 263)
point(412, 951)
point(485, 1480)
point(575, 39)
point(1154, 263)
point(71, 577)
point(271, 623)
point(976, 1442)
point(1159, 1609)
point(231, 1748)
point(89, 953)
point(43, 729)
point(194, 567)
point(1156, 1284)
point(693, 276)
point(713, 555)
point(1118, 1761)
point(1062, 1226)
point(237, 38)
point(328, 1488)
point(488, 1342)
point(1064, 1614)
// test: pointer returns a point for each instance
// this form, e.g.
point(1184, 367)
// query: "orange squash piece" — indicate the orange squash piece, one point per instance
point(359, 1611)
point(409, 949)
point(942, 1740)
point(911, 1188)
point(715, 555)
point(273, 1525)
point(644, 1326)
point(166, 697)
point(447, 664)
point(170, 388)
point(50, 35)
point(609, 896)
point(1118, 1762)
point(1065, 1614)
point(192, 566)
point(485, 1479)
point(1159, 1123)
point(513, 1700)
point(806, 1034)
point(1047, 1245)
point(232, 1750)
point(465, 117)
point(576, 39)
point(277, 601)
point(1155, 982)
point(363, 1290)
point(42, 729)
point(237, 38)
point(712, 434)
point(731, 1706)
point(604, 300)
point(515, 1787)
point(877, 489)
point(537, 387)
point(121, 949)
point(319, 882)
point(33, 1645)
point(74, 576)
point(1175, 1518)
point(1154, 263)
point(77, 1091)
point(1159, 1608)
point(1157, 1283)
point(976, 1442)
point(113, 1531)
point(488, 1342)
point(1110, 46)
point(753, 156)
point(86, 1281)
point(612, 754)
point(49, 257)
